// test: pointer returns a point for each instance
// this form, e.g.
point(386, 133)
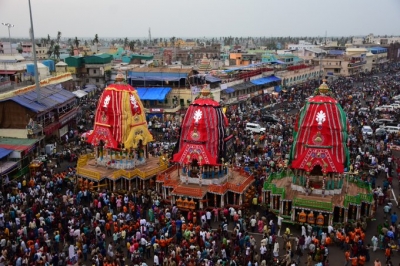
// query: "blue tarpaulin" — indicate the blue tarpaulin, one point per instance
point(265, 80)
point(89, 88)
point(153, 94)
point(212, 79)
point(228, 90)
point(50, 97)
point(244, 67)
point(4, 152)
point(156, 76)
point(278, 88)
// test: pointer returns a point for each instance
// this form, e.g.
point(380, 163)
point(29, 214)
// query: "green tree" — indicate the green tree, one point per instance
point(76, 42)
point(132, 45)
point(57, 51)
point(58, 36)
point(96, 42)
point(71, 50)
point(126, 42)
point(48, 39)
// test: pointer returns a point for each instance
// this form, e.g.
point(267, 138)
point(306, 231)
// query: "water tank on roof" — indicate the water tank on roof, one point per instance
point(49, 64)
point(30, 69)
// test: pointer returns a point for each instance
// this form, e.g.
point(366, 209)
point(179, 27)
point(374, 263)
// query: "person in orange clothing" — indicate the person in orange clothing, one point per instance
point(354, 261)
point(108, 229)
point(361, 260)
point(347, 257)
point(328, 240)
point(352, 235)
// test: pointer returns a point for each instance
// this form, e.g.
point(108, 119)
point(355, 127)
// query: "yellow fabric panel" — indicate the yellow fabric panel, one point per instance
point(134, 136)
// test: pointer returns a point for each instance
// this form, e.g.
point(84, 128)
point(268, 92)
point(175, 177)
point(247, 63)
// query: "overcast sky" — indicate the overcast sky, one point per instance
point(210, 18)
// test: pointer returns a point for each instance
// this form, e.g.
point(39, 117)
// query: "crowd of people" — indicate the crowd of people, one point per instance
point(46, 221)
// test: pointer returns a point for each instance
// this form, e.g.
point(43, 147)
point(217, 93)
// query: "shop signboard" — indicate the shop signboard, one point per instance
point(243, 97)
point(156, 110)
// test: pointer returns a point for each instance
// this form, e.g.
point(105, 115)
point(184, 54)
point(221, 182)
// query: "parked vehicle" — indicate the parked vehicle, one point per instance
point(367, 130)
point(255, 128)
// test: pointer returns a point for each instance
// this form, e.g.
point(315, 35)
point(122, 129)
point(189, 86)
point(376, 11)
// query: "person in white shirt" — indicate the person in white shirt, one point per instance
point(280, 219)
point(156, 260)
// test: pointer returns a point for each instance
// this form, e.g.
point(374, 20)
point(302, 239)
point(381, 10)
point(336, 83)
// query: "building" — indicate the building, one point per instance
point(380, 55)
point(23, 117)
point(394, 52)
point(339, 63)
point(95, 69)
point(380, 40)
point(42, 52)
point(26, 47)
point(293, 75)
point(302, 45)
point(162, 90)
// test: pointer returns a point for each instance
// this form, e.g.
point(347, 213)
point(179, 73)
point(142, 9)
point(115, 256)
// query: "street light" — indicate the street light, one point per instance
point(9, 25)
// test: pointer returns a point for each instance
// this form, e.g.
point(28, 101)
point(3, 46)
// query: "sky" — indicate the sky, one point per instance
point(204, 18)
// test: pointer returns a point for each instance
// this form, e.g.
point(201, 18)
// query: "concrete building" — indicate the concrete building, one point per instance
point(301, 45)
point(380, 40)
point(380, 54)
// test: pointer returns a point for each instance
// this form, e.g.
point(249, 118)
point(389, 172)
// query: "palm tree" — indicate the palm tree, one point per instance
point(76, 42)
point(48, 39)
point(132, 45)
point(50, 51)
point(96, 41)
point(57, 51)
point(71, 50)
point(58, 36)
point(126, 42)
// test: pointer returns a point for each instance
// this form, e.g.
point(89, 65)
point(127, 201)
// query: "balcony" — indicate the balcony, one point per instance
point(356, 64)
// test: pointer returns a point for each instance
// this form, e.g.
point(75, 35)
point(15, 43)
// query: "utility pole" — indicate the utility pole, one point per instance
point(37, 82)
point(9, 25)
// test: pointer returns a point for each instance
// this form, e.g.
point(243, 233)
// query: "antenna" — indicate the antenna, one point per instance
point(150, 35)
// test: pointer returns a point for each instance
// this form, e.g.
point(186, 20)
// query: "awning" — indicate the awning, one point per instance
point(212, 79)
point(4, 152)
point(265, 80)
point(228, 90)
point(7, 72)
point(6, 167)
point(242, 86)
point(156, 76)
point(278, 88)
point(64, 119)
point(51, 128)
point(80, 93)
point(153, 94)
point(90, 89)
point(279, 62)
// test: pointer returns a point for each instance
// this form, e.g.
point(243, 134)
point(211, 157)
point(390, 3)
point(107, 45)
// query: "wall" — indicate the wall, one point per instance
point(13, 133)
point(290, 78)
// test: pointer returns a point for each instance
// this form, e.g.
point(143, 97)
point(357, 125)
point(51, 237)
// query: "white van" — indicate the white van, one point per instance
point(392, 129)
point(255, 128)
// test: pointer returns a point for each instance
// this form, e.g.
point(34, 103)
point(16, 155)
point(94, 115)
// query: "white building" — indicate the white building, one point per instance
point(302, 45)
point(371, 39)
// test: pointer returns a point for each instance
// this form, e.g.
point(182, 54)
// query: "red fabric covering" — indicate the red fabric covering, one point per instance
point(320, 137)
point(104, 134)
point(110, 114)
point(202, 133)
point(194, 151)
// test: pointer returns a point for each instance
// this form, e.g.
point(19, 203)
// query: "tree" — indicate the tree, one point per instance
point(96, 41)
point(69, 41)
point(86, 43)
point(51, 48)
point(57, 51)
point(48, 39)
point(172, 40)
point(145, 43)
point(126, 42)
point(132, 46)
point(58, 36)
point(76, 42)
point(19, 48)
point(71, 50)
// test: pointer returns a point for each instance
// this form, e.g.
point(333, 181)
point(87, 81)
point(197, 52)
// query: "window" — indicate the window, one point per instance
point(97, 80)
point(94, 71)
point(87, 80)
